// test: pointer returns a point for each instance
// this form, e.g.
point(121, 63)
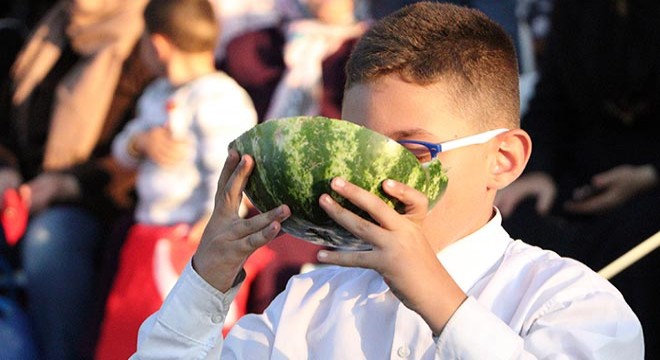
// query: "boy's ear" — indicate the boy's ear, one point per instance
point(513, 149)
point(161, 45)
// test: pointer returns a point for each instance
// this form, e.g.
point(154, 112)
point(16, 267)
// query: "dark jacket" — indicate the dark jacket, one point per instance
point(597, 102)
point(106, 187)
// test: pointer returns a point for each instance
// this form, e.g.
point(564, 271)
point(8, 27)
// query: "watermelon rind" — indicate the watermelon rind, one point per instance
point(297, 157)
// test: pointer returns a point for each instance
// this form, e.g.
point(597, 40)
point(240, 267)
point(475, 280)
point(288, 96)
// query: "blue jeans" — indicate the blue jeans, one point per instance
point(58, 252)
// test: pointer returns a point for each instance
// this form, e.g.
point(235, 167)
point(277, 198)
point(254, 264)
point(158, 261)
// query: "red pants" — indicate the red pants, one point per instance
point(151, 260)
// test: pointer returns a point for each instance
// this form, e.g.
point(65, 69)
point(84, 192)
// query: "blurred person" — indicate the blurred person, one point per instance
point(591, 190)
point(308, 41)
point(73, 85)
point(280, 65)
point(177, 142)
point(238, 17)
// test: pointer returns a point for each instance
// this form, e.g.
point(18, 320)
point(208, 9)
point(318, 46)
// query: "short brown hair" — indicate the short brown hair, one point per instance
point(191, 25)
point(427, 43)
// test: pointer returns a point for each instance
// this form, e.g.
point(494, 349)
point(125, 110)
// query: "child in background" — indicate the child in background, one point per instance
point(327, 25)
point(177, 141)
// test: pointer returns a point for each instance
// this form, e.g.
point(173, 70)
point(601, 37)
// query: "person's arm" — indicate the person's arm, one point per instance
point(189, 323)
point(611, 188)
point(562, 328)
point(125, 145)
point(149, 136)
point(411, 270)
point(565, 323)
point(226, 243)
point(104, 186)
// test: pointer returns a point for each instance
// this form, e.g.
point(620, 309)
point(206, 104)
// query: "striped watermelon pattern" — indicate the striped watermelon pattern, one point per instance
point(295, 159)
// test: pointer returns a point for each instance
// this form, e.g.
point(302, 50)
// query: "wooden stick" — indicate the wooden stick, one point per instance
point(633, 255)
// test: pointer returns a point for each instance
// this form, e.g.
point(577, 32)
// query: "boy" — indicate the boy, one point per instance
point(178, 141)
point(446, 283)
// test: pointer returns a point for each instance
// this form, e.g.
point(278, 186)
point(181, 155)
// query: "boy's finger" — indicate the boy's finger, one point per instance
point(416, 206)
point(227, 170)
point(346, 258)
point(259, 222)
point(262, 237)
point(358, 226)
point(415, 202)
point(237, 181)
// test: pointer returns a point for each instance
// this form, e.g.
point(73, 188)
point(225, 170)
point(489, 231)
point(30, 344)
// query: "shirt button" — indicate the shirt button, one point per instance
point(403, 352)
point(217, 318)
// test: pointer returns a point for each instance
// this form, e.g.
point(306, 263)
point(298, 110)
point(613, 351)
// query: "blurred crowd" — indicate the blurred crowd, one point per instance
point(96, 114)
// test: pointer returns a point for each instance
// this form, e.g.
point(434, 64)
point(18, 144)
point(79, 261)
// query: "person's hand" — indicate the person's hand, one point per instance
point(228, 239)
point(47, 187)
point(538, 185)
point(612, 188)
point(159, 145)
point(9, 179)
point(400, 251)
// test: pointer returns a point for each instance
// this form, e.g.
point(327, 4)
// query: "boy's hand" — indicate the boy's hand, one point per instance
point(401, 253)
point(160, 146)
point(229, 239)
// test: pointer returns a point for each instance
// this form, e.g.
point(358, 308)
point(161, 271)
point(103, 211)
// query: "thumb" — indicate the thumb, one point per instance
point(544, 202)
point(604, 179)
point(506, 205)
point(25, 192)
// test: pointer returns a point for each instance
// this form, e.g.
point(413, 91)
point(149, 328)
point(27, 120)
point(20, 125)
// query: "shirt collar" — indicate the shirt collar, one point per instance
point(470, 258)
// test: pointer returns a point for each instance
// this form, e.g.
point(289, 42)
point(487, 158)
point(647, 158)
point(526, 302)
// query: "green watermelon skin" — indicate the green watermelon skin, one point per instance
point(296, 158)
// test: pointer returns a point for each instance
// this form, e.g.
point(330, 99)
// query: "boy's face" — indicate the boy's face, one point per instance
point(406, 111)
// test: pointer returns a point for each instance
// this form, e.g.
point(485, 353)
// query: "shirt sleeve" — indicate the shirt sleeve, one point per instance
point(189, 324)
point(567, 329)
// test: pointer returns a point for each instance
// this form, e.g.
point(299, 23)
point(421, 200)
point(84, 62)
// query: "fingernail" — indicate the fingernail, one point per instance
point(273, 229)
point(339, 182)
point(326, 198)
point(322, 254)
point(280, 210)
point(389, 183)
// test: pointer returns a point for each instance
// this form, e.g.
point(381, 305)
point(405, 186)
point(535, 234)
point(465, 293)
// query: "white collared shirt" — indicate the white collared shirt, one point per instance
point(523, 302)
